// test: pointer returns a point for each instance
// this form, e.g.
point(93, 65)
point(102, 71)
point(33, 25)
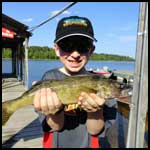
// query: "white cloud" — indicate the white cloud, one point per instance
point(56, 11)
point(111, 35)
point(128, 27)
point(126, 39)
point(27, 20)
point(57, 19)
point(121, 38)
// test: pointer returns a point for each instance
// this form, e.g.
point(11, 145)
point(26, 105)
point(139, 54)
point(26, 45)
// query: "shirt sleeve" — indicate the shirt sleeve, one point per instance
point(43, 122)
point(110, 110)
point(45, 126)
point(110, 114)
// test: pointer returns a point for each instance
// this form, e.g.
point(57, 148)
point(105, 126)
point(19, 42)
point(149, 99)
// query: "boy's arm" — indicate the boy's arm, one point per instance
point(56, 122)
point(93, 105)
point(95, 122)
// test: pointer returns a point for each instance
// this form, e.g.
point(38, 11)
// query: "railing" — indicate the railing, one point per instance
point(139, 101)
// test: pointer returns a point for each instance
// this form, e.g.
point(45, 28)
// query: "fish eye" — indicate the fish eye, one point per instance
point(121, 86)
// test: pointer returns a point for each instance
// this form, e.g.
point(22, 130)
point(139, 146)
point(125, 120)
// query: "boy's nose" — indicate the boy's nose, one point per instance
point(75, 54)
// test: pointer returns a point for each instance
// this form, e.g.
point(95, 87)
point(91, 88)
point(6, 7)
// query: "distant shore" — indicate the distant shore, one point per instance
point(90, 60)
point(46, 53)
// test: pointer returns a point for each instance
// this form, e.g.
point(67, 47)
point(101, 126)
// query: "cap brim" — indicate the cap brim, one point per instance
point(92, 38)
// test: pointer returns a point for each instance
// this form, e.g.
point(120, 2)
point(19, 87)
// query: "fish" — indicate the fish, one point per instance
point(68, 91)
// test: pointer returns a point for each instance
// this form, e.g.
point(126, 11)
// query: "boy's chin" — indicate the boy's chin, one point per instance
point(74, 70)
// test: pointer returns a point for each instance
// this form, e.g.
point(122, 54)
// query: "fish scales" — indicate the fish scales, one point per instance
point(68, 91)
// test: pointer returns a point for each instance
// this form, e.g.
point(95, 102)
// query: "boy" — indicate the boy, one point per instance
point(77, 127)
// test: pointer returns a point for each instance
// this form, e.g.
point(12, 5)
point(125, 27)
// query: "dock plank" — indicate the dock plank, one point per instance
point(12, 88)
point(23, 129)
point(25, 132)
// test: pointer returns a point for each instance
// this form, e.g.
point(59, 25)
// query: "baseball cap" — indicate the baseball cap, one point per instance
point(74, 25)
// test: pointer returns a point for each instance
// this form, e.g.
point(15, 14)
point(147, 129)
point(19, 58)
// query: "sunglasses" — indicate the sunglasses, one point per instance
point(70, 44)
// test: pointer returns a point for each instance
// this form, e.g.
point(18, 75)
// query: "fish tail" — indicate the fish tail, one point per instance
point(6, 112)
point(9, 107)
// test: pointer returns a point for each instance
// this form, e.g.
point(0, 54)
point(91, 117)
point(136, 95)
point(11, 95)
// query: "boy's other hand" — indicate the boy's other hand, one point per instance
point(90, 102)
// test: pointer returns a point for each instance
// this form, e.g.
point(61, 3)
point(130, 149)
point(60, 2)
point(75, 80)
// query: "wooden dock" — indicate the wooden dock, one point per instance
point(11, 88)
point(23, 128)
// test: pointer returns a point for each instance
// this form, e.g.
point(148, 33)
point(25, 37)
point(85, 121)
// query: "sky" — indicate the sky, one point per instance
point(115, 23)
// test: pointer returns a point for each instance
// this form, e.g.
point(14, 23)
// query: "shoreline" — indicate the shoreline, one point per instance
point(89, 60)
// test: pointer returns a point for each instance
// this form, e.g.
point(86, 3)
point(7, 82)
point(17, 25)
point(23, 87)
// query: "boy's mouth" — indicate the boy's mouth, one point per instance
point(74, 63)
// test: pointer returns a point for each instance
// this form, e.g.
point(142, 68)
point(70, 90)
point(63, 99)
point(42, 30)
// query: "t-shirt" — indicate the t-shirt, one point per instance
point(74, 133)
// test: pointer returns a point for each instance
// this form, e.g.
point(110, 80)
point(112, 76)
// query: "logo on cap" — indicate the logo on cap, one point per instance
point(70, 22)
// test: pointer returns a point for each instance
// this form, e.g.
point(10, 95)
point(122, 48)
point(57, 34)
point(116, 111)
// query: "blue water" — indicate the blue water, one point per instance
point(38, 67)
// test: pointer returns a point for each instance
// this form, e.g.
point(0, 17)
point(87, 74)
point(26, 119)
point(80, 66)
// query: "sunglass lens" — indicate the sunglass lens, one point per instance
point(80, 46)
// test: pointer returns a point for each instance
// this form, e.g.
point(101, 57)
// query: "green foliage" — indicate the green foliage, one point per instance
point(103, 57)
point(6, 53)
point(37, 52)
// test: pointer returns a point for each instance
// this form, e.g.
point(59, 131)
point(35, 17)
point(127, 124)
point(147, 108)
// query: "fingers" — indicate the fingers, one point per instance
point(44, 105)
point(50, 102)
point(57, 102)
point(54, 103)
point(98, 100)
point(46, 101)
point(90, 102)
point(36, 101)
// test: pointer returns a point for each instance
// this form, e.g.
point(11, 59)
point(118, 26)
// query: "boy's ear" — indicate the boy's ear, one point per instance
point(92, 49)
point(56, 48)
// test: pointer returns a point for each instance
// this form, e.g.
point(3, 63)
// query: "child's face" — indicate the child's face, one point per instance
point(74, 52)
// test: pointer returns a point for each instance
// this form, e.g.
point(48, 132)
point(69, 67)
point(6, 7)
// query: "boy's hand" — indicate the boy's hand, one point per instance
point(46, 101)
point(90, 102)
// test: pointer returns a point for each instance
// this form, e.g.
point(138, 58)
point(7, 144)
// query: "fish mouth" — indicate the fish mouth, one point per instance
point(127, 92)
point(125, 100)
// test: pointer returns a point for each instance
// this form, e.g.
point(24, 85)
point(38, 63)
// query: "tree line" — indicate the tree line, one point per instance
point(38, 52)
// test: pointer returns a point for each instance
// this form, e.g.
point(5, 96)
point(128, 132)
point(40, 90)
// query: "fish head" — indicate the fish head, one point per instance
point(126, 92)
point(109, 88)
point(121, 89)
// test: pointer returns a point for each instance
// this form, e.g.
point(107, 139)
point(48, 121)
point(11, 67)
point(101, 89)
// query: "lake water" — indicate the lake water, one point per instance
point(38, 67)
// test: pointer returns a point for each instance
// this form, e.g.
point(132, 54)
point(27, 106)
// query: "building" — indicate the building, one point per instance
point(15, 38)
